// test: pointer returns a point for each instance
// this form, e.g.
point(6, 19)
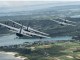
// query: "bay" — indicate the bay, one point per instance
point(12, 40)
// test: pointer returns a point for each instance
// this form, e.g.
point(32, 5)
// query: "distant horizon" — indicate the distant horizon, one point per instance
point(31, 3)
point(19, 6)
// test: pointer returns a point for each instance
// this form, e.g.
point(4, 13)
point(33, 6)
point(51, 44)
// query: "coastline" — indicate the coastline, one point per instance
point(13, 54)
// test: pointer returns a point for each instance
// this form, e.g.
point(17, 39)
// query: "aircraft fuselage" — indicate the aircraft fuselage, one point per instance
point(27, 37)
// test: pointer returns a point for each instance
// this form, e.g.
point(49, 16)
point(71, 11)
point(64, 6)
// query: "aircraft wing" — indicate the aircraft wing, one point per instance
point(38, 31)
point(63, 23)
point(67, 20)
point(34, 34)
point(57, 21)
point(67, 24)
point(29, 28)
point(70, 21)
point(13, 29)
point(71, 24)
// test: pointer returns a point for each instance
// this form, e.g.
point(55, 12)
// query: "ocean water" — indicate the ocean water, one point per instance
point(12, 40)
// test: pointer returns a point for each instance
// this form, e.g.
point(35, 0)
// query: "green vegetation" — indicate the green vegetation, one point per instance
point(51, 51)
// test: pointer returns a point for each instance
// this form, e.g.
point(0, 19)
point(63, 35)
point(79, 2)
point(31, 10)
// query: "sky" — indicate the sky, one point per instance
point(39, 0)
point(18, 4)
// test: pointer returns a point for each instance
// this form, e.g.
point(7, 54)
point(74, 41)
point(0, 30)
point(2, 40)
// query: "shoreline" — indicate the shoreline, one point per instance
point(13, 54)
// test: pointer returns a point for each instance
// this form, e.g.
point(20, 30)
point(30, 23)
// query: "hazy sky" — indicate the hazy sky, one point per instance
point(19, 5)
point(13, 3)
point(39, 0)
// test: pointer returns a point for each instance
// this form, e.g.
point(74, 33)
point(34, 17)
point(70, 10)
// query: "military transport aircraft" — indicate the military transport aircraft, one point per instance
point(23, 33)
point(64, 22)
point(29, 29)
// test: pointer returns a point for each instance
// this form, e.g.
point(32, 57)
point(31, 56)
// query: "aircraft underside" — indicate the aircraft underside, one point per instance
point(21, 36)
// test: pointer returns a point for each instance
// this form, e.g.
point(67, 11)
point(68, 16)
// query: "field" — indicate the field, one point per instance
point(53, 51)
point(61, 50)
point(56, 51)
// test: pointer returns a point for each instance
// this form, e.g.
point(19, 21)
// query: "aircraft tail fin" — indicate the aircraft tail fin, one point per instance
point(21, 29)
